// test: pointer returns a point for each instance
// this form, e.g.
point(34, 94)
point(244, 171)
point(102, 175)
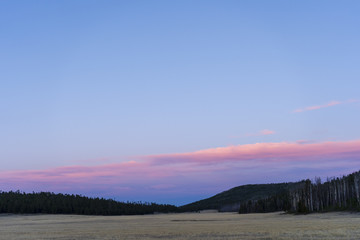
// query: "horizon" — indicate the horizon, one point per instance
point(174, 102)
point(313, 181)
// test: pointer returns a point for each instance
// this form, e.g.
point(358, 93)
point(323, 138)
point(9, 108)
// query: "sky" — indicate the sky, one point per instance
point(175, 101)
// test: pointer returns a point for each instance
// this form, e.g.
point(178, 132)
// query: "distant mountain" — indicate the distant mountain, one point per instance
point(230, 200)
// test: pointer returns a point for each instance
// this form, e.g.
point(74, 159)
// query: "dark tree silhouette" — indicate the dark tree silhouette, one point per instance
point(335, 194)
point(46, 202)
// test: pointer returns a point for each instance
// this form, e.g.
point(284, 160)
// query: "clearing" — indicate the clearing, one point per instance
point(208, 225)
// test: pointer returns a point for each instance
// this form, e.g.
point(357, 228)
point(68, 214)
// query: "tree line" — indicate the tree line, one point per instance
point(302, 197)
point(312, 196)
point(51, 203)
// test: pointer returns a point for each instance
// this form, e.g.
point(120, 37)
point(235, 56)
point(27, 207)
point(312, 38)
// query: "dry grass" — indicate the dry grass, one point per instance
point(182, 226)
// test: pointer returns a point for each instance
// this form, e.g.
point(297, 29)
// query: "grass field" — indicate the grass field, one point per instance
point(182, 226)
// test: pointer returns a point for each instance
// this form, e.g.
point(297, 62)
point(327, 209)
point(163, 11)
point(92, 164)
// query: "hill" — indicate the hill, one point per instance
point(339, 194)
point(230, 200)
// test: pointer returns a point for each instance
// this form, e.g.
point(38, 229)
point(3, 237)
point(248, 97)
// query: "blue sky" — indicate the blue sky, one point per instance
point(106, 82)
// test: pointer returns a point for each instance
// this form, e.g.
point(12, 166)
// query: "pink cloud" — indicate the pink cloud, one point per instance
point(279, 152)
point(267, 132)
point(261, 133)
point(183, 173)
point(330, 104)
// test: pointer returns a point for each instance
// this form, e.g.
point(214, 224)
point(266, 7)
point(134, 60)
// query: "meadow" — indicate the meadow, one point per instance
point(206, 225)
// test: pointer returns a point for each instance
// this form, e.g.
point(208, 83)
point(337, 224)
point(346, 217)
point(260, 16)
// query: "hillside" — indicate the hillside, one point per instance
point(301, 197)
point(230, 200)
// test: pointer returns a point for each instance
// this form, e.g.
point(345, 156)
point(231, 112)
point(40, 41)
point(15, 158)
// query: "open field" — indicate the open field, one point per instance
point(182, 226)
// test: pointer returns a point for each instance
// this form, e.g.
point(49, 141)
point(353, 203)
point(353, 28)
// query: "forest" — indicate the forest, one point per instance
point(51, 203)
point(336, 194)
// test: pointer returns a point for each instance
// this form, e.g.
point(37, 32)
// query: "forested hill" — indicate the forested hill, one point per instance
point(302, 197)
point(45, 202)
point(230, 200)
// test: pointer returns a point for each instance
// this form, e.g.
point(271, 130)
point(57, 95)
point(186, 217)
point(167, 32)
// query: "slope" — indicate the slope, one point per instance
point(230, 200)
